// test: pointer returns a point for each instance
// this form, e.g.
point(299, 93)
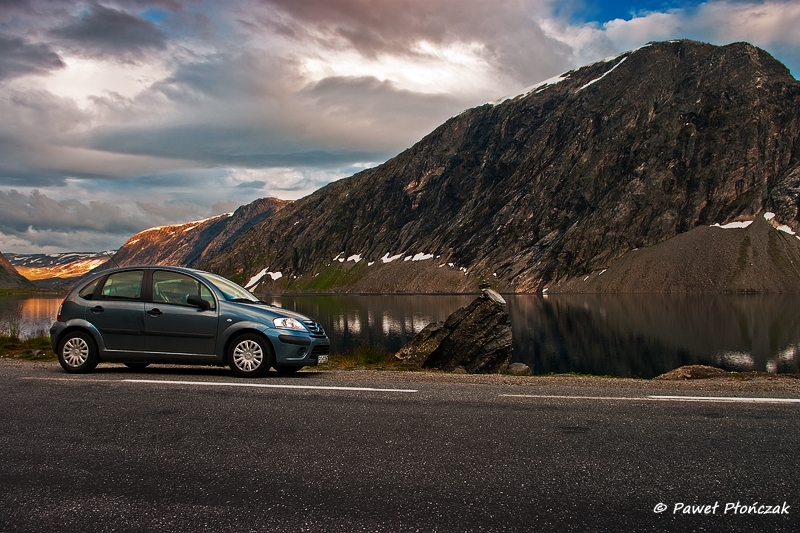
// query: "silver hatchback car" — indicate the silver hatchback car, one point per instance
point(159, 314)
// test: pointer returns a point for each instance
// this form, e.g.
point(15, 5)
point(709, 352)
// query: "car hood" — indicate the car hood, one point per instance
point(256, 311)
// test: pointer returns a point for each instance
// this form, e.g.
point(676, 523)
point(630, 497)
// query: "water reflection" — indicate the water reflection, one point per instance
point(620, 335)
point(646, 335)
point(388, 321)
point(27, 316)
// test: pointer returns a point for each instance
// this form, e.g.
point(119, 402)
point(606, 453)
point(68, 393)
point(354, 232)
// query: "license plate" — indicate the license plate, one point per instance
point(322, 359)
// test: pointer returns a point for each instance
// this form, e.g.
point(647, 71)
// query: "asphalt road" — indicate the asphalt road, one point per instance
point(198, 450)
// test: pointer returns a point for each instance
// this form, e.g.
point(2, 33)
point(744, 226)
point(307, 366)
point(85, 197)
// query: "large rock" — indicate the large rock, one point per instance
point(693, 372)
point(476, 337)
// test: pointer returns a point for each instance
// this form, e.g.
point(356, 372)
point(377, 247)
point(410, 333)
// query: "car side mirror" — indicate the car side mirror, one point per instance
point(198, 302)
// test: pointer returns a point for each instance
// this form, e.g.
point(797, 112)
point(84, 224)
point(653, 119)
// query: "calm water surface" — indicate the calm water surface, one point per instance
point(619, 335)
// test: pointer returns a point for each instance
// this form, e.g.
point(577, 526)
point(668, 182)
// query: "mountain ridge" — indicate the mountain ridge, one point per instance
point(539, 190)
point(554, 184)
point(191, 243)
point(66, 265)
point(10, 278)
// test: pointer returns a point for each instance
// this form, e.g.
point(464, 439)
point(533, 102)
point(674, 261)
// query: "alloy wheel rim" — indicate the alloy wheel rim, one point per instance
point(248, 356)
point(76, 351)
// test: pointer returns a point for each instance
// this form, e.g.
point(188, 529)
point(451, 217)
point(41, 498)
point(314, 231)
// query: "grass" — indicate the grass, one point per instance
point(329, 277)
point(32, 349)
point(365, 356)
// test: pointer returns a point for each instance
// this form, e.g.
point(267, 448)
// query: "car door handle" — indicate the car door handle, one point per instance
point(97, 309)
point(154, 311)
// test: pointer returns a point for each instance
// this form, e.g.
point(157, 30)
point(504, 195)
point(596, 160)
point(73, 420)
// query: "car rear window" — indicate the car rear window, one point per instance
point(123, 285)
point(87, 292)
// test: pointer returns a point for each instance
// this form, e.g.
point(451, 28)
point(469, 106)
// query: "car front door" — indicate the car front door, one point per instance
point(172, 325)
point(117, 311)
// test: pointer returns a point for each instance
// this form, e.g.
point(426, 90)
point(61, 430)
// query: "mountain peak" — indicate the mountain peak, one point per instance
point(552, 184)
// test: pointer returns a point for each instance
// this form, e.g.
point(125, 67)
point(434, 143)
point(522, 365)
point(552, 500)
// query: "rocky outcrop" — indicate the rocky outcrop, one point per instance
point(476, 338)
point(553, 184)
point(519, 369)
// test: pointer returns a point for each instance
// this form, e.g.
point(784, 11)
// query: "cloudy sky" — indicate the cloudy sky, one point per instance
point(116, 116)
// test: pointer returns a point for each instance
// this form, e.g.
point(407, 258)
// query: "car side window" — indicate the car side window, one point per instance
point(87, 292)
point(175, 288)
point(123, 286)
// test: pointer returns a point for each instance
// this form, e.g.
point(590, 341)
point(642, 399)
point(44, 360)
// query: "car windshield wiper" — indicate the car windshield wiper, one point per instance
point(249, 301)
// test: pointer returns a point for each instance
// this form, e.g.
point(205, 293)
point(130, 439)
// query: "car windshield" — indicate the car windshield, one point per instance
point(230, 290)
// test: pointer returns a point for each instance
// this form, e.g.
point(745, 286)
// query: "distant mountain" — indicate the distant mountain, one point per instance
point(10, 278)
point(60, 265)
point(552, 185)
point(193, 242)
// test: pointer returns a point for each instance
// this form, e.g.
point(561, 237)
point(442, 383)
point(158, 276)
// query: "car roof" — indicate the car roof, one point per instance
point(152, 267)
point(96, 274)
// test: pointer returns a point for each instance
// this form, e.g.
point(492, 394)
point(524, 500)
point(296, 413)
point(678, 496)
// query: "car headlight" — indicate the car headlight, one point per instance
point(289, 323)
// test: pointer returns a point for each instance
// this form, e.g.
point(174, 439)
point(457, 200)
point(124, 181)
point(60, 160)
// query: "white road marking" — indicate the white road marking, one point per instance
point(263, 385)
point(556, 397)
point(71, 379)
point(728, 399)
point(734, 399)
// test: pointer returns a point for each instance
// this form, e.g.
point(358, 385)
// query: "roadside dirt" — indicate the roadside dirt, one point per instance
point(750, 381)
point(718, 381)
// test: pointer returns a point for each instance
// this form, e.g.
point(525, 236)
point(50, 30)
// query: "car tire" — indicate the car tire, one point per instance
point(137, 366)
point(250, 356)
point(288, 369)
point(77, 353)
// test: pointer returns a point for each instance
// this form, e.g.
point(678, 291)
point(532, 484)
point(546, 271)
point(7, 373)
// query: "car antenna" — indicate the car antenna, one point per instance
point(111, 258)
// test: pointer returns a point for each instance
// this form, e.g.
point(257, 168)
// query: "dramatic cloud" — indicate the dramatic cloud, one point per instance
point(173, 110)
point(18, 58)
point(103, 32)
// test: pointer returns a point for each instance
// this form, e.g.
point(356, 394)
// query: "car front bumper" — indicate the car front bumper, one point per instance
point(300, 349)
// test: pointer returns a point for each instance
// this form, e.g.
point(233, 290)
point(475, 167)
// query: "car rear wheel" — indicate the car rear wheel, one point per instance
point(77, 353)
point(250, 356)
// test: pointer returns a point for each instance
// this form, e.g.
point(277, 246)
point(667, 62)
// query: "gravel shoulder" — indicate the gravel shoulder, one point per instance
point(761, 382)
point(755, 382)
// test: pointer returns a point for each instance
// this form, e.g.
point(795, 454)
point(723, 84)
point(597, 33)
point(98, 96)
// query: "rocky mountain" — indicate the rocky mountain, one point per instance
point(60, 265)
point(552, 185)
point(194, 242)
point(10, 278)
point(755, 256)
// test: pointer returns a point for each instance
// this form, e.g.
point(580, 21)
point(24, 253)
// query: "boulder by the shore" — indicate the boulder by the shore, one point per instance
point(693, 372)
point(476, 337)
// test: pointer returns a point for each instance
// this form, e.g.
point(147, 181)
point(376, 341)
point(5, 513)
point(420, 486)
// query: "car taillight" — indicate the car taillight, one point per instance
point(60, 307)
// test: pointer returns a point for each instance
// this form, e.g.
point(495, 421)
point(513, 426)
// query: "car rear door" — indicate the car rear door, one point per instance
point(117, 311)
point(172, 325)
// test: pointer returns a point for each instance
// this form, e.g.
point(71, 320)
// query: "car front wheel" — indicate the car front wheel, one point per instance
point(250, 356)
point(77, 353)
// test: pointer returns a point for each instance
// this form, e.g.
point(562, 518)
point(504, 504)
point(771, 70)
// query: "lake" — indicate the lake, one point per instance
point(616, 335)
